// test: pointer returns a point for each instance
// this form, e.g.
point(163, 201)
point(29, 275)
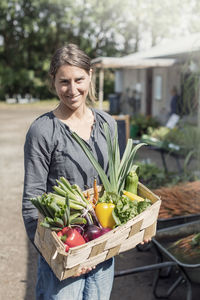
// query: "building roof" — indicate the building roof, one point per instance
point(139, 63)
point(171, 47)
point(165, 54)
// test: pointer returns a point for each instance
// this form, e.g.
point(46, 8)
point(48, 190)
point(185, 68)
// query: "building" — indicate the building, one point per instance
point(143, 80)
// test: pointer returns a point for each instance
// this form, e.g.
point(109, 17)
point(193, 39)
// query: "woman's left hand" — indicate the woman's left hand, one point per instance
point(146, 241)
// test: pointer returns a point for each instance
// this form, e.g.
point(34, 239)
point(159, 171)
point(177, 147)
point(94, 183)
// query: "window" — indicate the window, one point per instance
point(158, 87)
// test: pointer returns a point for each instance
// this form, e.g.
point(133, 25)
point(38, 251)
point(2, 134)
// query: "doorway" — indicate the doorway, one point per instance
point(149, 85)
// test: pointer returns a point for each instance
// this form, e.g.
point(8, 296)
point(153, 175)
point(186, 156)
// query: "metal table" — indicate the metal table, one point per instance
point(173, 151)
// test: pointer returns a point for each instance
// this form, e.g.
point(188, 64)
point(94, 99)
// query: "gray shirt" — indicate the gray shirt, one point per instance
point(50, 152)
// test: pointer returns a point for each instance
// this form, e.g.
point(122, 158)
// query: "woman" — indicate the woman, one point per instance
point(50, 152)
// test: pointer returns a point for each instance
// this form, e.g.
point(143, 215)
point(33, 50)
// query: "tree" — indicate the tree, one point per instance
point(30, 31)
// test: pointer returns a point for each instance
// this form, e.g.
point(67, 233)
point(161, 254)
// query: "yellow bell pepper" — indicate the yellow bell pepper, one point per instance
point(133, 196)
point(104, 214)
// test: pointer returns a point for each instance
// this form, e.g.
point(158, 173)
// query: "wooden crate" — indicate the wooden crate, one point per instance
point(118, 240)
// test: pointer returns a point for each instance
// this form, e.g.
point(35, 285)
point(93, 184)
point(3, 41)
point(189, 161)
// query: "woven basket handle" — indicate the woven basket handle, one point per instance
point(58, 251)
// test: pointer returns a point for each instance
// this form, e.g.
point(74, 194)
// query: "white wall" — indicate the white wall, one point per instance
point(118, 88)
point(170, 77)
point(158, 105)
point(132, 79)
point(126, 79)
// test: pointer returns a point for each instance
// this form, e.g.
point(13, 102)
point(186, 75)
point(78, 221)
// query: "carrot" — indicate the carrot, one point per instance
point(184, 247)
point(96, 193)
point(88, 196)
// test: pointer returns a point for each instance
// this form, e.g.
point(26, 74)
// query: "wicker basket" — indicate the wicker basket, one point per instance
point(118, 240)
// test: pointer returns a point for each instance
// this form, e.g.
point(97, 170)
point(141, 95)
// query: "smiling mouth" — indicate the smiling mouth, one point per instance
point(73, 98)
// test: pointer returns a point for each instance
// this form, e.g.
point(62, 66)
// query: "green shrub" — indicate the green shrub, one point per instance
point(154, 177)
point(150, 175)
point(143, 123)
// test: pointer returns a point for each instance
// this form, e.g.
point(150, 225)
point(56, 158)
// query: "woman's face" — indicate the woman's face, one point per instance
point(72, 85)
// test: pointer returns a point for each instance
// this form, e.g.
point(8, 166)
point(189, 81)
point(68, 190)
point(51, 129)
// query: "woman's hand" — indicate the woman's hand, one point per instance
point(84, 271)
point(146, 241)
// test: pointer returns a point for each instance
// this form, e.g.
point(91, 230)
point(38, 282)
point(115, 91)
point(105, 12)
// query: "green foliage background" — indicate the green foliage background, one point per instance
point(30, 31)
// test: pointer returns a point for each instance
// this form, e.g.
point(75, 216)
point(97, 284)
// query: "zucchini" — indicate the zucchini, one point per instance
point(131, 182)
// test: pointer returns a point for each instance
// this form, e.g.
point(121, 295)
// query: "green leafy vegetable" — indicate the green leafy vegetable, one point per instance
point(142, 205)
point(109, 197)
point(125, 209)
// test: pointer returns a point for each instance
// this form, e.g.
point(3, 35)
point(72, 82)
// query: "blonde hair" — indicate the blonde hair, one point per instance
point(71, 54)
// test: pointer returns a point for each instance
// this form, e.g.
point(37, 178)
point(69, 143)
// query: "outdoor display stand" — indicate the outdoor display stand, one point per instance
point(165, 149)
point(180, 204)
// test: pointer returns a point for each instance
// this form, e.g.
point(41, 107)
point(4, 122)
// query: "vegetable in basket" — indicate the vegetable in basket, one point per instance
point(124, 209)
point(93, 232)
point(67, 205)
point(104, 214)
point(127, 209)
point(118, 170)
point(96, 194)
point(131, 181)
point(142, 205)
point(72, 237)
point(133, 196)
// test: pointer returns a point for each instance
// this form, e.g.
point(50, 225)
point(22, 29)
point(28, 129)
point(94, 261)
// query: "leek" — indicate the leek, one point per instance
point(118, 170)
point(97, 166)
